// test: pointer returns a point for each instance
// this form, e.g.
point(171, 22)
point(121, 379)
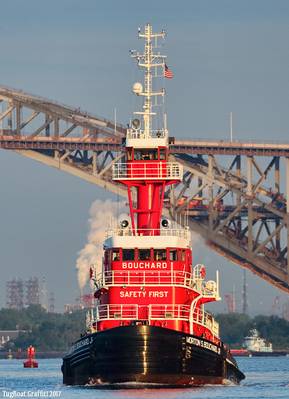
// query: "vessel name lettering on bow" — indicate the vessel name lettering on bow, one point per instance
point(202, 344)
point(80, 344)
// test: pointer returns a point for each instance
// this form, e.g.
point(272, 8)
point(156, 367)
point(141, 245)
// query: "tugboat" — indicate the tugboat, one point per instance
point(149, 325)
point(258, 346)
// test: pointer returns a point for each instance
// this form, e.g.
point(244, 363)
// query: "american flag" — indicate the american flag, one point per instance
point(168, 73)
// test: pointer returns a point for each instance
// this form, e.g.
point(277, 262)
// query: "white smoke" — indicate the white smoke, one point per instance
point(102, 215)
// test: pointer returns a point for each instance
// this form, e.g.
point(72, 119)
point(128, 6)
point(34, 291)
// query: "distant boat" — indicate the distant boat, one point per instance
point(30, 362)
point(255, 345)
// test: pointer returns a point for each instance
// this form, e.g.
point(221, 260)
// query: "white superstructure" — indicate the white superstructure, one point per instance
point(253, 342)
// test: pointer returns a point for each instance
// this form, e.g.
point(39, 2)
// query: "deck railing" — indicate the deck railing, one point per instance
point(206, 319)
point(147, 170)
point(175, 232)
point(113, 312)
point(139, 134)
point(118, 278)
point(137, 278)
point(164, 312)
point(156, 312)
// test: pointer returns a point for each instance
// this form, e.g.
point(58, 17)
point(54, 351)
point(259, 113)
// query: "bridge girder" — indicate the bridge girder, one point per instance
point(249, 227)
point(225, 201)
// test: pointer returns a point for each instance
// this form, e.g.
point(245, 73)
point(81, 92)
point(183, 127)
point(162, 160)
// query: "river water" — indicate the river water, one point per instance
point(265, 378)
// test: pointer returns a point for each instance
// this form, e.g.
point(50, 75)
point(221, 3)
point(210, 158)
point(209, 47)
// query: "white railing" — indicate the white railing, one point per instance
point(175, 232)
point(132, 278)
point(182, 312)
point(137, 278)
point(205, 319)
point(147, 170)
point(156, 312)
point(172, 312)
point(139, 134)
point(114, 312)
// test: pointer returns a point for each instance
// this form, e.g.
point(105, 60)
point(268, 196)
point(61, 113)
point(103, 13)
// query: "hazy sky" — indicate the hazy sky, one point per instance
point(226, 56)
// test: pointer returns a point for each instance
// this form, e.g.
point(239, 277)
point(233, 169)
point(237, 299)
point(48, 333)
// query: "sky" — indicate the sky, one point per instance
point(227, 56)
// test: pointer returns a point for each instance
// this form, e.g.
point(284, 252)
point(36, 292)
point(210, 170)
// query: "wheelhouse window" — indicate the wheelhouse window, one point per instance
point(128, 254)
point(162, 154)
point(145, 155)
point(173, 255)
point(160, 254)
point(115, 255)
point(182, 255)
point(137, 155)
point(130, 154)
point(144, 254)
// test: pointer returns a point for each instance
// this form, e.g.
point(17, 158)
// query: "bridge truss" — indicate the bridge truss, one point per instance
point(233, 194)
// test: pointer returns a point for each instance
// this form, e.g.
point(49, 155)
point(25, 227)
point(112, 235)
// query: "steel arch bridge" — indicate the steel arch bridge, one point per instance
point(233, 194)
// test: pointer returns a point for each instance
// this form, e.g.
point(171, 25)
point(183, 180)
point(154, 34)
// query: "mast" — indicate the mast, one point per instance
point(149, 61)
point(147, 171)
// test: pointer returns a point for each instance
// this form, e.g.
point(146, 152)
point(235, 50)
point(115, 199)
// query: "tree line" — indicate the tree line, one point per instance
point(235, 326)
point(46, 331)
point(57, 331)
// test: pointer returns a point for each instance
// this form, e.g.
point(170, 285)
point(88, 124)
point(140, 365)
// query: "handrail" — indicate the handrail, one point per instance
point(147, 170)
point(137, 278)
point(139, 134)
point(176, 232)
point(206, 319)
point(182, 312)
point(117, 311)
point(168, 311)
point(116, 278)
point(156, 312)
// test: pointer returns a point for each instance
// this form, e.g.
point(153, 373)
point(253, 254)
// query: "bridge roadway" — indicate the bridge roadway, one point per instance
point(193, 147)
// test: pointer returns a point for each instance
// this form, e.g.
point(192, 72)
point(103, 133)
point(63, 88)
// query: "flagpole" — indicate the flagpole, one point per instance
point(115, 121)
point(231, 126)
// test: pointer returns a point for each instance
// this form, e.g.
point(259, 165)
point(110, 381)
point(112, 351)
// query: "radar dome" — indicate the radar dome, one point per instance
point(137, 88)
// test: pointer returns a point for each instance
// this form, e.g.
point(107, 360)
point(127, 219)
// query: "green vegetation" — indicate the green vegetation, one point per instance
point(234, 326)
point(56, 332)
point(46, 331)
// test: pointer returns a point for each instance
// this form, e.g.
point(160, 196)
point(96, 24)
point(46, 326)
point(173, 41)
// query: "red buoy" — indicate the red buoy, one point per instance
point(30, 362)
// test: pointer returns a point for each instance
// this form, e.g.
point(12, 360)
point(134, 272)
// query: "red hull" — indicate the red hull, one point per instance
point(240, 352)
point(31, 364)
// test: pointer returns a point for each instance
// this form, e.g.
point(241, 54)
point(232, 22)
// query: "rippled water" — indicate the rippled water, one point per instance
point(265, 378)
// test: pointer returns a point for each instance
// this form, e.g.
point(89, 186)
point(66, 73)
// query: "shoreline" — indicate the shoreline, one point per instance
point(39, 355)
